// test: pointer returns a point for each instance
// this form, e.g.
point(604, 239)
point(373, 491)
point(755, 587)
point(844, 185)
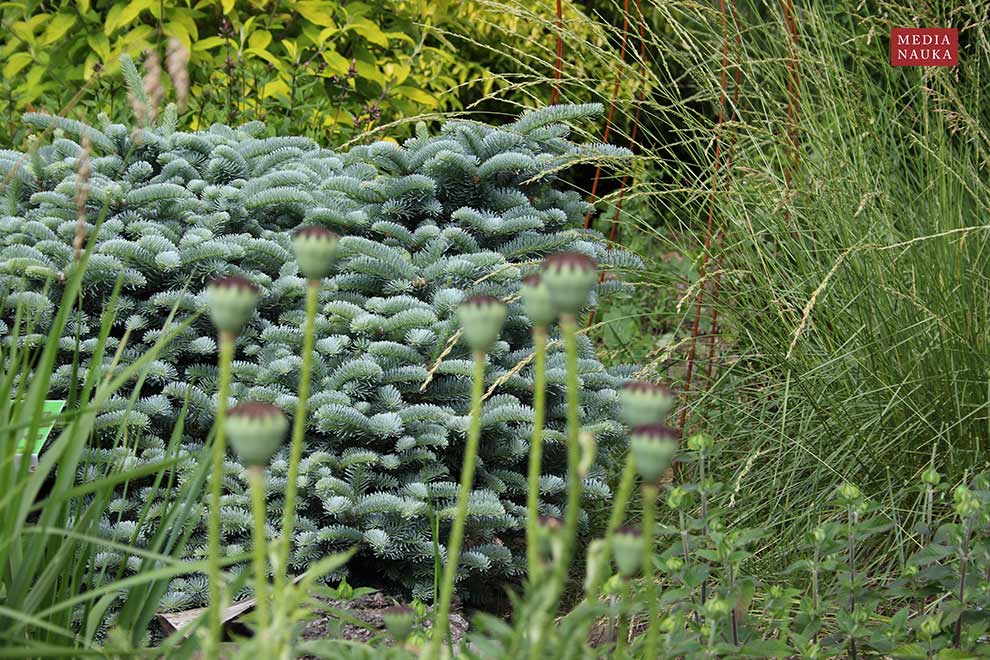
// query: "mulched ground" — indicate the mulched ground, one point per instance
point(369, 610)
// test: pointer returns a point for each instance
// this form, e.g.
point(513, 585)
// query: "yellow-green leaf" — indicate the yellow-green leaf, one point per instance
point(265, 55)
point(318, 13)
point(178, 30)
point(24, 30)
point(336, 62)
point(83, 6)
point(209, 43)
point(228, 6)
point(369, 31)
point(290, 48)
point(121, 15)
point(100, 45)
point(274, 88)
point(416, 94)
point(58, 27)
point(400, 35)
point(397, 72)
point(260, 39)
point(185, 18)
point(326, 34)
point(369, 71)
point(15, 63)
point(90, 65)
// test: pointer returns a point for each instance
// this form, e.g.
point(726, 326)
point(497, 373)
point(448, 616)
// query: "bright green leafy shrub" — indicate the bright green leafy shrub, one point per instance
point(467, 211)
point(317, 67)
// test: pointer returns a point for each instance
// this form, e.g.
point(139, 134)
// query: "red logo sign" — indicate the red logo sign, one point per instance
point(924, 47)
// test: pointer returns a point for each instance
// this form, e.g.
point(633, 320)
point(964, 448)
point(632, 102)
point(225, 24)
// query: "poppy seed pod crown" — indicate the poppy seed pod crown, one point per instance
point(399, 621)
point(231, 302)
point(481, 320)
point(653, 447)
point(569, 277)
point(256, 430)
point(627, 548)
point(645, 403)
point(316, 251)
point(537, 302)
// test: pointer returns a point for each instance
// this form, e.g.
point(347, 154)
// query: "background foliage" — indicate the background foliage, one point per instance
point(323, 68)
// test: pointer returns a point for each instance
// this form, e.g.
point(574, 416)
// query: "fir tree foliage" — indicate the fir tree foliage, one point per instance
point(467, 211)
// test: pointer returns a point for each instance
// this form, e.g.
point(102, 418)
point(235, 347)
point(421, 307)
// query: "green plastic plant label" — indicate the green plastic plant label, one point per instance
point(50, 411)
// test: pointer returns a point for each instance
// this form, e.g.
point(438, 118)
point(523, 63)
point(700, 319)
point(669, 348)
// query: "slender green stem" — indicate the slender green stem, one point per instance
point(536, 448)
point(568, 326)
point(619, 505)
point(963, 565)
point(216, 487)
point(256, 475)
point(852, 573)
point(298, 432)
point(440, 623)
point(703, 487)
point(622, 632)
point(650, 495)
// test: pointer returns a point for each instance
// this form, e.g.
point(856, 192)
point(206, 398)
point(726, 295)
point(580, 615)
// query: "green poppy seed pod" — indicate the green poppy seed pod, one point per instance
point(597, 560)
point(701, 442)
point(256, 430)
point(399, 621)
point(645, 403)
point(849, 494)
point(537, 302)
point(589, 450)
point(569, 277)
point(627, 548)
point(481, 320)
point(230, 302)
point(965, 502)
point(316, 251)
point(717, 608)
point(930, 477)
point(653, 448)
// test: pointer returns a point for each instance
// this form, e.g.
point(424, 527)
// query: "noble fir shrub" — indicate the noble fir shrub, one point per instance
point(469, 210)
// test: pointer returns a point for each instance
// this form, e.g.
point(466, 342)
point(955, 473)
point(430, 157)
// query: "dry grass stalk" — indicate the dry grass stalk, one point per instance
point(82, 196)
point(177, 65)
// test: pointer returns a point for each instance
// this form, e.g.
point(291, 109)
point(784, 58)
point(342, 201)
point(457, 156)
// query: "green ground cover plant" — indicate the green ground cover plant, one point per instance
point(851, 268)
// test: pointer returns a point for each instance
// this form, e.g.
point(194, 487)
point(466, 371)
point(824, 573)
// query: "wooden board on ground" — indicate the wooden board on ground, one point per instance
point(175, 621)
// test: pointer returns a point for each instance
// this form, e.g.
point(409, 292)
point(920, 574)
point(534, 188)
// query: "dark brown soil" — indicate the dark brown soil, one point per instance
point(369, 609)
